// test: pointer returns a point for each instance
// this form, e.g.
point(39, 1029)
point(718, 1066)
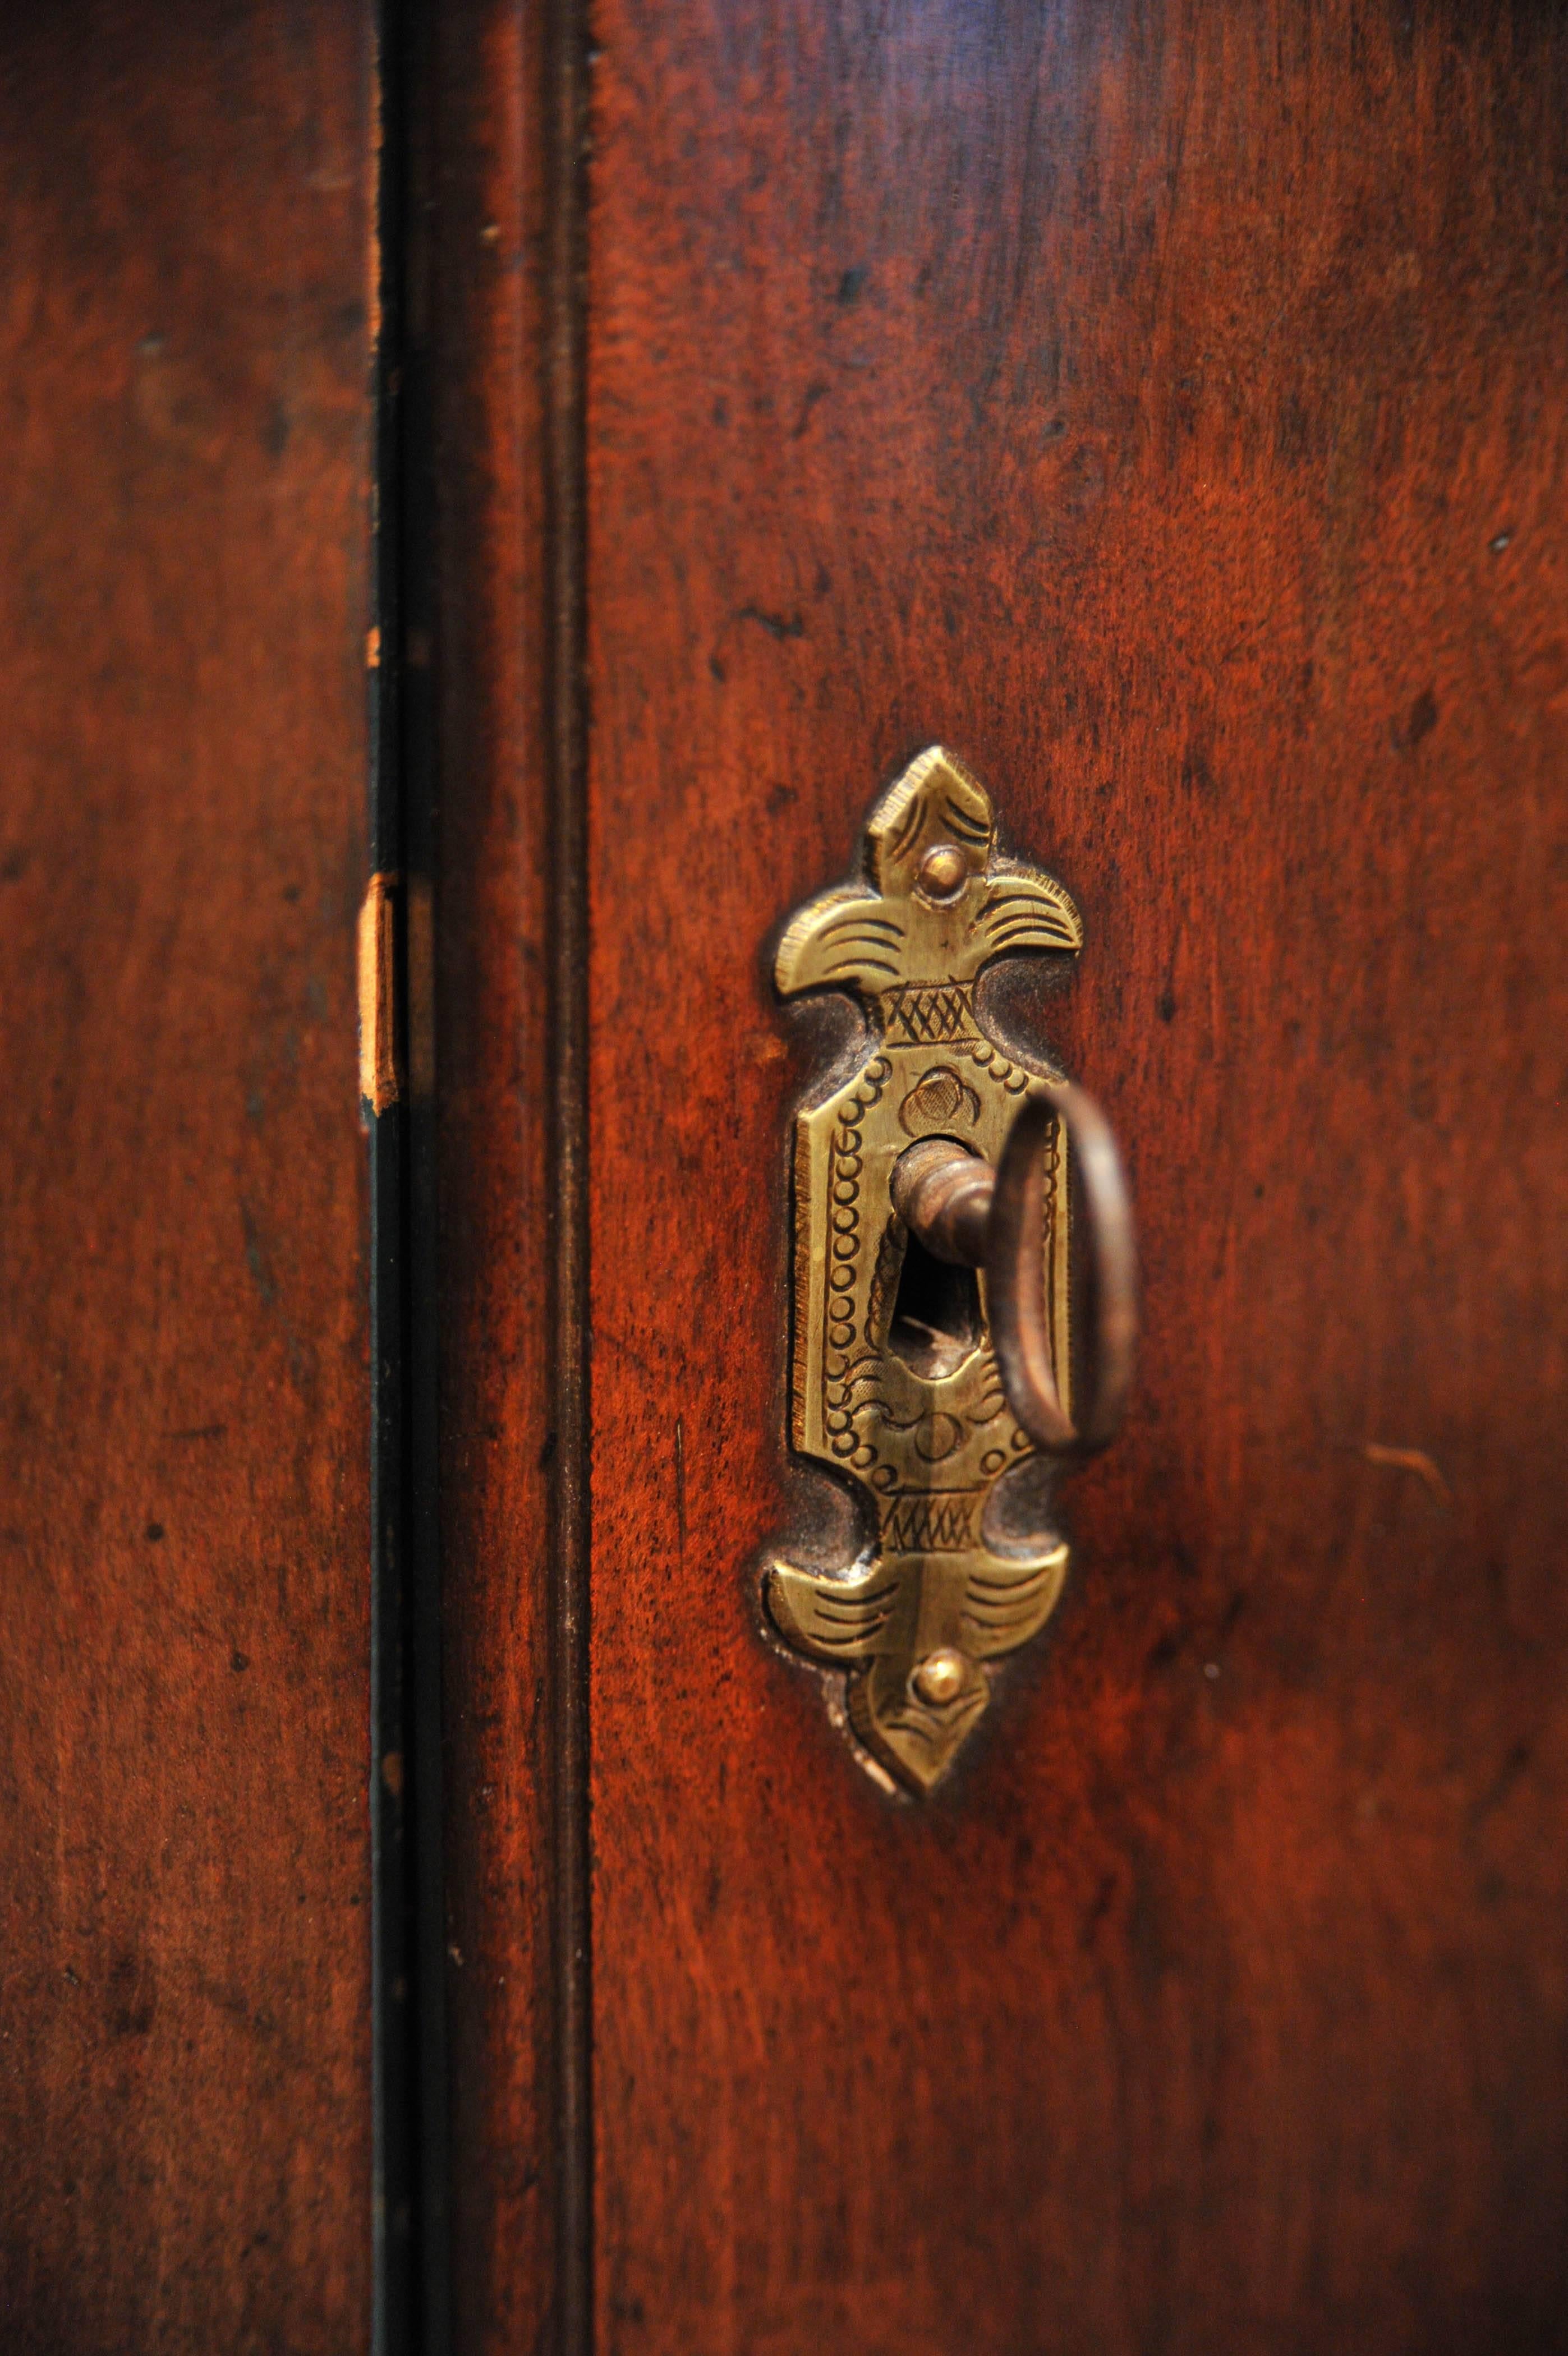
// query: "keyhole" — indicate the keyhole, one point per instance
point(936, 1315)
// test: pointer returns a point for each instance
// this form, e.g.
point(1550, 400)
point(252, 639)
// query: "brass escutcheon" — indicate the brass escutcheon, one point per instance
point(941, 1153)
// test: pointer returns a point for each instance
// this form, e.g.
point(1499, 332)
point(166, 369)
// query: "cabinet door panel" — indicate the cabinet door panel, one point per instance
point(185, 2050)
point(1137, 401)
point(1163, 406)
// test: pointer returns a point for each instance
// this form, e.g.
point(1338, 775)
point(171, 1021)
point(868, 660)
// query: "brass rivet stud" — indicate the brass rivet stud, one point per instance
point(940, 1677)
point(944, 871)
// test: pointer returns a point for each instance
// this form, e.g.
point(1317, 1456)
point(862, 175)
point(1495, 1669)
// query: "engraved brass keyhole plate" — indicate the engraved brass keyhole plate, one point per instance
point(896, 1377)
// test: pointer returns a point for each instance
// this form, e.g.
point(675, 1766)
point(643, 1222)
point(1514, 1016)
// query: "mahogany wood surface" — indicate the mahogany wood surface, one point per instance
point(483, 313)
point(184, 2033)
point(1167, 406)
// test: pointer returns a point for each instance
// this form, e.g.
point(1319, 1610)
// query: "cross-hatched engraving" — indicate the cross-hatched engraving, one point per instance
point(928, 1015)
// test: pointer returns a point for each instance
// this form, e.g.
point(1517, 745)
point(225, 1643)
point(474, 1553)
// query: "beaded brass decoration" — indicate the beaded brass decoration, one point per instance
point(915, 1415)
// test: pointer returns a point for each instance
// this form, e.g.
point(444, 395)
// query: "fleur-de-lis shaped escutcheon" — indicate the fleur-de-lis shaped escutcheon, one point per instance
point(896, 1382)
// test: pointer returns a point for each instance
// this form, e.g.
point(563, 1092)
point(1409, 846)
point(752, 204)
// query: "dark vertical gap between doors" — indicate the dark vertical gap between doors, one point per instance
point(410, 2310)
point(411, 2265)
point(566, 118)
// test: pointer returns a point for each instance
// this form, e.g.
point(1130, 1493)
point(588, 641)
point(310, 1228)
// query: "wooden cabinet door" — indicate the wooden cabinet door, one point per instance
point(185, 1884)
point(1165, 407)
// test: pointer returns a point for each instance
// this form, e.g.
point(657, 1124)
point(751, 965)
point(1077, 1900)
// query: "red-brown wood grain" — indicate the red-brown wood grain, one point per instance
point(488, 352)
point(184, 1411)
point(1165, 405)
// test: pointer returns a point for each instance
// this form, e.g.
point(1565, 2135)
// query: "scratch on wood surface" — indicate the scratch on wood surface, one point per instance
point(378, 1043)
point(377, 173)
point(680, 1495)
point(1411, 1459)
